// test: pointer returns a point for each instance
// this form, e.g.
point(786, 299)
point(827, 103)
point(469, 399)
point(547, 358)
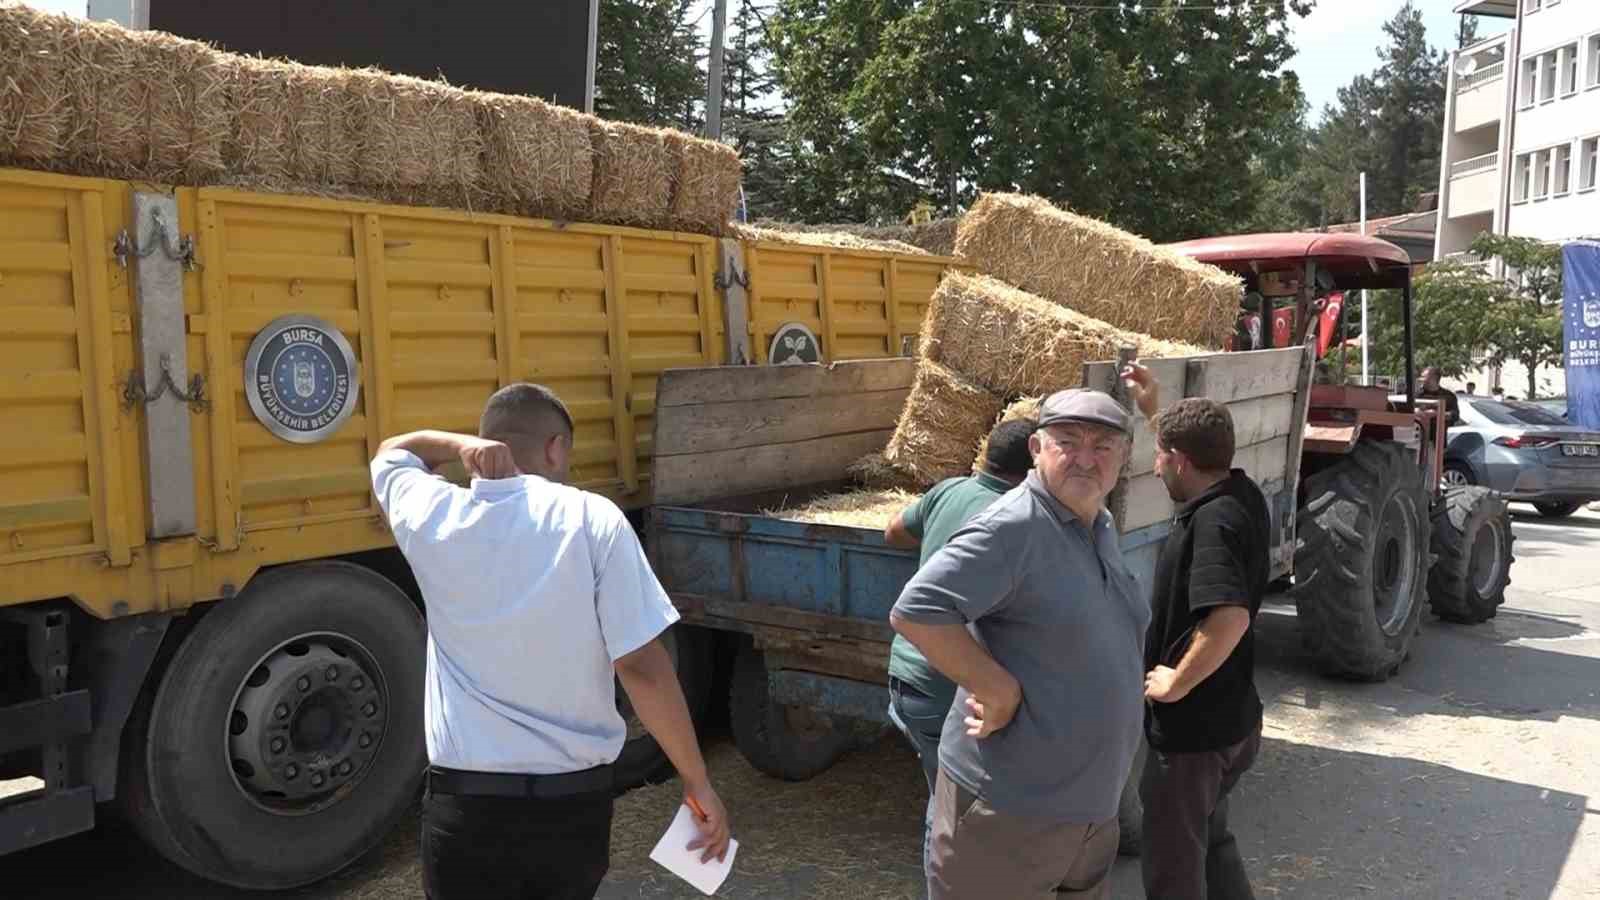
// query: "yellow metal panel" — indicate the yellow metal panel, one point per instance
point(858, 307)
point(619, 324)
point(224, 383)
point(61, 470)
point(503, 258)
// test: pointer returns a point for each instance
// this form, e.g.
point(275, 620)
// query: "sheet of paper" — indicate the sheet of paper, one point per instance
point(686, 864)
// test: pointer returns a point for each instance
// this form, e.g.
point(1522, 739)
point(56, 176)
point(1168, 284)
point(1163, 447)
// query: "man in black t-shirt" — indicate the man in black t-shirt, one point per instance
point(1203, 716)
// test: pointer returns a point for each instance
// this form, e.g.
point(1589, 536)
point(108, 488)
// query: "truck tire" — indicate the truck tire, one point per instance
point(285, 737)
point(1472, 548)
point(1361, 569)
point(641, 761)
point(788, 742)
point(1557, 510)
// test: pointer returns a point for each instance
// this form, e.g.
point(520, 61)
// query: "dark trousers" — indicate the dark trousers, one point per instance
point(514, 848)
point(921, 719)
point(1189, 853)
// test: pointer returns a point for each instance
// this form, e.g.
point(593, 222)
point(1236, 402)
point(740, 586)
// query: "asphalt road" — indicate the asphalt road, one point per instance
point(1471, 775)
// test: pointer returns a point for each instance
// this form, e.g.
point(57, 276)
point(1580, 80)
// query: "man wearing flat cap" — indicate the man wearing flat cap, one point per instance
point(1030, 610)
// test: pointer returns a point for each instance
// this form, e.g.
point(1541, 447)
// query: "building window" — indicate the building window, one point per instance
point(1531, 5)
point(1541, 174)
point(1594, 60)
point(1547, 77)
point(1530, 81)
point(1524, 178)
point(1569, 70)
point(1588, 163)
point(1563, 162)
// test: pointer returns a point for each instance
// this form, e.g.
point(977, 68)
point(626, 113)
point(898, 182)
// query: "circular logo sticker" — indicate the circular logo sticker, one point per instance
point(793, 344)
point(300, 377)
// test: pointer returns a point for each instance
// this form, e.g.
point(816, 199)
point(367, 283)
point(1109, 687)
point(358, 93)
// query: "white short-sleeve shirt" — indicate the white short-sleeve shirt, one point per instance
point(533, 590)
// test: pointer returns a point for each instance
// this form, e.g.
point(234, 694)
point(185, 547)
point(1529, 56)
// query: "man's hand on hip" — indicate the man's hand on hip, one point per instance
point(993, 710)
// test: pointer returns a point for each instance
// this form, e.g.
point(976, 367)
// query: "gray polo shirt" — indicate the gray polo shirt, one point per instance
point(1053, 603)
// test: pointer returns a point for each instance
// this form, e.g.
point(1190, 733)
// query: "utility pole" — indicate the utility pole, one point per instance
point(719, 26)
point(1366, 377)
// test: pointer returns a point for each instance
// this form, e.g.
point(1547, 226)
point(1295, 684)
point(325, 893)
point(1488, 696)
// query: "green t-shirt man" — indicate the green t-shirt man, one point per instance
point(936, 516)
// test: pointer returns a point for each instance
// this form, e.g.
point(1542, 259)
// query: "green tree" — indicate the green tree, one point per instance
point(1120, 113)
point(1465, 316)
point(646, 68)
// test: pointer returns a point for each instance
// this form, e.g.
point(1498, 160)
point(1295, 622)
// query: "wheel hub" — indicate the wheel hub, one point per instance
point(1486, 562)
point(1394, 576)
point(307, 722)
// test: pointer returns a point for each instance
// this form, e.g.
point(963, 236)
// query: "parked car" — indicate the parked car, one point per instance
point(1555, 405)
point(1526, 452)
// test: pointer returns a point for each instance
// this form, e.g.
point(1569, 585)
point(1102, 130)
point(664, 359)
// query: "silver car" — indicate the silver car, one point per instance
point(1524, 452)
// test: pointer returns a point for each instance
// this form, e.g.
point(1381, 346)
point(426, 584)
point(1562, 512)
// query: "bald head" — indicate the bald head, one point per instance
point(534, 423)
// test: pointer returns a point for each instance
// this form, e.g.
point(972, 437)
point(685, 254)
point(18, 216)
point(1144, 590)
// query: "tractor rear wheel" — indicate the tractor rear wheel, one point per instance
point(1472, 545)
point(1362, 563)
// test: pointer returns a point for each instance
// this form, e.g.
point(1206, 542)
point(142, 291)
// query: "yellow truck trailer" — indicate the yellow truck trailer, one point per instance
point(202, 615)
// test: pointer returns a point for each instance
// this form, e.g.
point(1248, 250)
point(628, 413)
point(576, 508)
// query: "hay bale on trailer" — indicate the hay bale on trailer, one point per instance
point(634, 168)
point(1099, 270)
point(538, 157)
point(1016, 344)
point(832, 237)
point(705, 187)
point(417, 139)
point(944, 418)
point(39, 53)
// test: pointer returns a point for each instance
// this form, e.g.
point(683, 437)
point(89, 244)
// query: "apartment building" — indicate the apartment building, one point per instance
point(1521, 152)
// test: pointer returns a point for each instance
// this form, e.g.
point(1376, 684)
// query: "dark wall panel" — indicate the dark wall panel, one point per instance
point(535, 47)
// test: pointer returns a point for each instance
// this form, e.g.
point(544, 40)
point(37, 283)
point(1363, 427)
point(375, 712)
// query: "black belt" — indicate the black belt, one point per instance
point(505, 784)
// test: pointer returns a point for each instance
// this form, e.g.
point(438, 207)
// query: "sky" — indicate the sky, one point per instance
point(1337, 42)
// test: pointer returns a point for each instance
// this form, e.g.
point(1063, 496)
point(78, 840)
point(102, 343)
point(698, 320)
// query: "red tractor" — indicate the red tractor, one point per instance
point(1376, 531)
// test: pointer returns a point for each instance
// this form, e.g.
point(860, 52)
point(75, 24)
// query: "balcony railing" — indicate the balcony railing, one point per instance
point(1474, 164)
point(1482, 76)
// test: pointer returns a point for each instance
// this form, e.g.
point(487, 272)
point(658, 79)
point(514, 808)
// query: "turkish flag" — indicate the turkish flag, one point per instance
point(1329, 322)
point(1282, 326)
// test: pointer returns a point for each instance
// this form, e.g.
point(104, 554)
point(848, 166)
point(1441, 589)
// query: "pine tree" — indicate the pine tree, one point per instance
point(646, 68)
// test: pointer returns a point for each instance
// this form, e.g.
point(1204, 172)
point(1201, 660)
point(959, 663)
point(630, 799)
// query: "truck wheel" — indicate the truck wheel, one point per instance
point(1556, 510)
point(641, 760)
point(1472, 542)
point(1361, 567)
point(285, 738)
point(794, 743)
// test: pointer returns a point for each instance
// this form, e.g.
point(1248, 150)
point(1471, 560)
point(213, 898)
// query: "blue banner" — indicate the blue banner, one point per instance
point(1580, 337)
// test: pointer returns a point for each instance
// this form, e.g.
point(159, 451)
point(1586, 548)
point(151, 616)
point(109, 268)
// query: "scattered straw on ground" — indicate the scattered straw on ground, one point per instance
point(861, 509)
point(1098, 269)
point(944, 418)
point(1015, 344)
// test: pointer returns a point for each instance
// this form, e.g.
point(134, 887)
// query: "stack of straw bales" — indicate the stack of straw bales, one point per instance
point(1099, 270)
point(985, 344)
point(93, 98)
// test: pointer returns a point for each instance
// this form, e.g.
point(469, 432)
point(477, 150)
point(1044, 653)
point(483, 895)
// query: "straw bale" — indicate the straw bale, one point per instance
point(259, 135)
point(417, 138)
point(876, 472)
point(186, 107)
point(944, 418)
point(36, 60)
point(871, 508)
point(1099, 270)
point(538, 158)
point(705, 190)
point(1014, 343)
point(321, 125)
point(937, 238)
point(1025, 408)
point(634, 169)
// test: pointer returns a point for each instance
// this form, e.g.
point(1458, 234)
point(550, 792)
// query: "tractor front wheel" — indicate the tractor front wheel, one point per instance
point(1362, 563)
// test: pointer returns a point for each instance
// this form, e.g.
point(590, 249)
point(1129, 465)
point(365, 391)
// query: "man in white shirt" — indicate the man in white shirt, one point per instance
point(537, 593)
